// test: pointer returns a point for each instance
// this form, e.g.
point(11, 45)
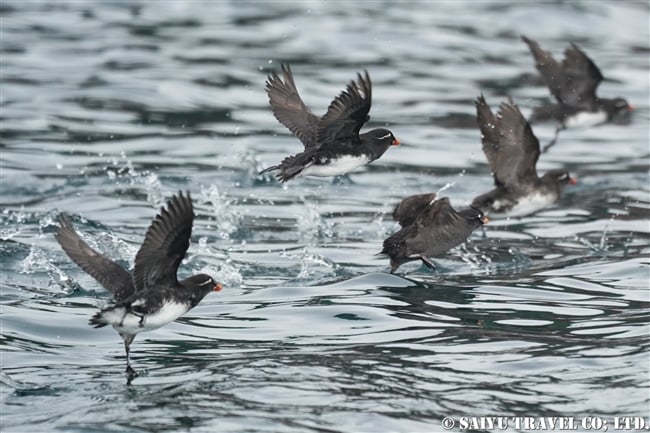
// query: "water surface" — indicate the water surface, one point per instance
point(108, 108)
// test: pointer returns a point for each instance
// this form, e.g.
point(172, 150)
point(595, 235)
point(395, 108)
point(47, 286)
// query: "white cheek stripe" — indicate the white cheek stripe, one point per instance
point(385, 136)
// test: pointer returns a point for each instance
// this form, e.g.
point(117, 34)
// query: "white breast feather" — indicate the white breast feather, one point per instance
point(528, 205)
point(585, 119)
point(131, 323)
point(336, 167)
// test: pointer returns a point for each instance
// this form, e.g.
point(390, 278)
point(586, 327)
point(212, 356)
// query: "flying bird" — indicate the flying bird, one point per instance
point(332, 143)
point(573, 83)
point(512, 151)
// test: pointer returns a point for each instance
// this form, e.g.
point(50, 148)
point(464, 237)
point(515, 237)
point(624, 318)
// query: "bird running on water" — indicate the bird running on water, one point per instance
point(430, 228)
point(151, 296)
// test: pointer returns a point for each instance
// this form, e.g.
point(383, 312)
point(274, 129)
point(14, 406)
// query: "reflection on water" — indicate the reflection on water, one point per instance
point(109, 108)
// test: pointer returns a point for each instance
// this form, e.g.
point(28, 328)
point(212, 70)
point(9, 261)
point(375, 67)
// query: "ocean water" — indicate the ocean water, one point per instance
point(108, 108)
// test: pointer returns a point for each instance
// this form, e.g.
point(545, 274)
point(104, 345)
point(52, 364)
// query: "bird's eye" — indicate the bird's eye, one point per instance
point(208, 281)
point(389, 135)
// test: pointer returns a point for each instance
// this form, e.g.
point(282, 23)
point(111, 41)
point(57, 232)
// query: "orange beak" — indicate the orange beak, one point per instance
point(485, 220)
point(217, 287)
point(573, 181)
point(630, 107)
point(396, 142)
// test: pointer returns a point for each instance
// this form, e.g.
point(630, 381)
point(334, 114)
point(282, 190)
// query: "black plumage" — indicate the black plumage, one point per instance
point(330, 138)
point(573, 83)
point(152, 296)
point(430, 228)
point(512, 151)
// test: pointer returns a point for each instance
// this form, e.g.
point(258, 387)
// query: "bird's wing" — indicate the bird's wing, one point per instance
point(347, 113)
point(582, 77)
point(407, 211)
point(288, 107)
point(109, 274)
point(440, 214)
point(487, 124)
point(165, 244)
point(552, 72)
point(509, 144)
point(518, 147)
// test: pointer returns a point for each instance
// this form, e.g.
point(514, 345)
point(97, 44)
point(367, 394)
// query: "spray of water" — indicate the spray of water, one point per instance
point(226, 217)
point(121, 170)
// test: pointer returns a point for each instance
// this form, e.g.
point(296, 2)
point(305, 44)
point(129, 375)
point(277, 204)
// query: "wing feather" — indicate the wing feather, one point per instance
point(288, 107)
point(109, 274)
point(574, 81)
point(509, 144)
point(347, 113)
point(165, 244)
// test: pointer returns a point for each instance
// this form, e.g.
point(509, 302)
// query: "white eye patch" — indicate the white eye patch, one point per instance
point(385, 136)
point(205, 282)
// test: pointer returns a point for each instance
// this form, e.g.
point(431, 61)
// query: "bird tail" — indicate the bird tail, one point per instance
point(98, 320)
point(266, 170)
point(291, 166)
point(107, 316)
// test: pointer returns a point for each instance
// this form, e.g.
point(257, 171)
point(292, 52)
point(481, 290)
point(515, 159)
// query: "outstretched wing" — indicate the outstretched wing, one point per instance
point(582, 77)
point(574, 81)
point(165, 244)
point(347, 113)
point(407, 211)
point(509, 144)
point(288, 107)
point(518, 146)
point(109, 274)
point(489, 134)
point(551, 71)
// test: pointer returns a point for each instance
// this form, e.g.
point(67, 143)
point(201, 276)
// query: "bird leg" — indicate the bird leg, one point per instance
point(128, 339)
point(394, 265)
point(554, 140)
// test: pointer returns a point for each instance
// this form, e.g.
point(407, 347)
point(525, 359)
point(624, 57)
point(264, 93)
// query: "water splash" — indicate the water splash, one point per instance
point(38, 262)
point(226, 217)
point(311, 265)
point(311, 226)
point(602, 247)
point(254, 165)
point(475, 258)
point(121, 170)
point(378, 228)
point(519, 259)
point(219, 265)
point(445, 187)
point(602, 244)
point(226, 274)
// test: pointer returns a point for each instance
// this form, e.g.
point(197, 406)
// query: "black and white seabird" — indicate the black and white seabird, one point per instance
point(151, 296)
point(333, 145)
point(512, 151)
